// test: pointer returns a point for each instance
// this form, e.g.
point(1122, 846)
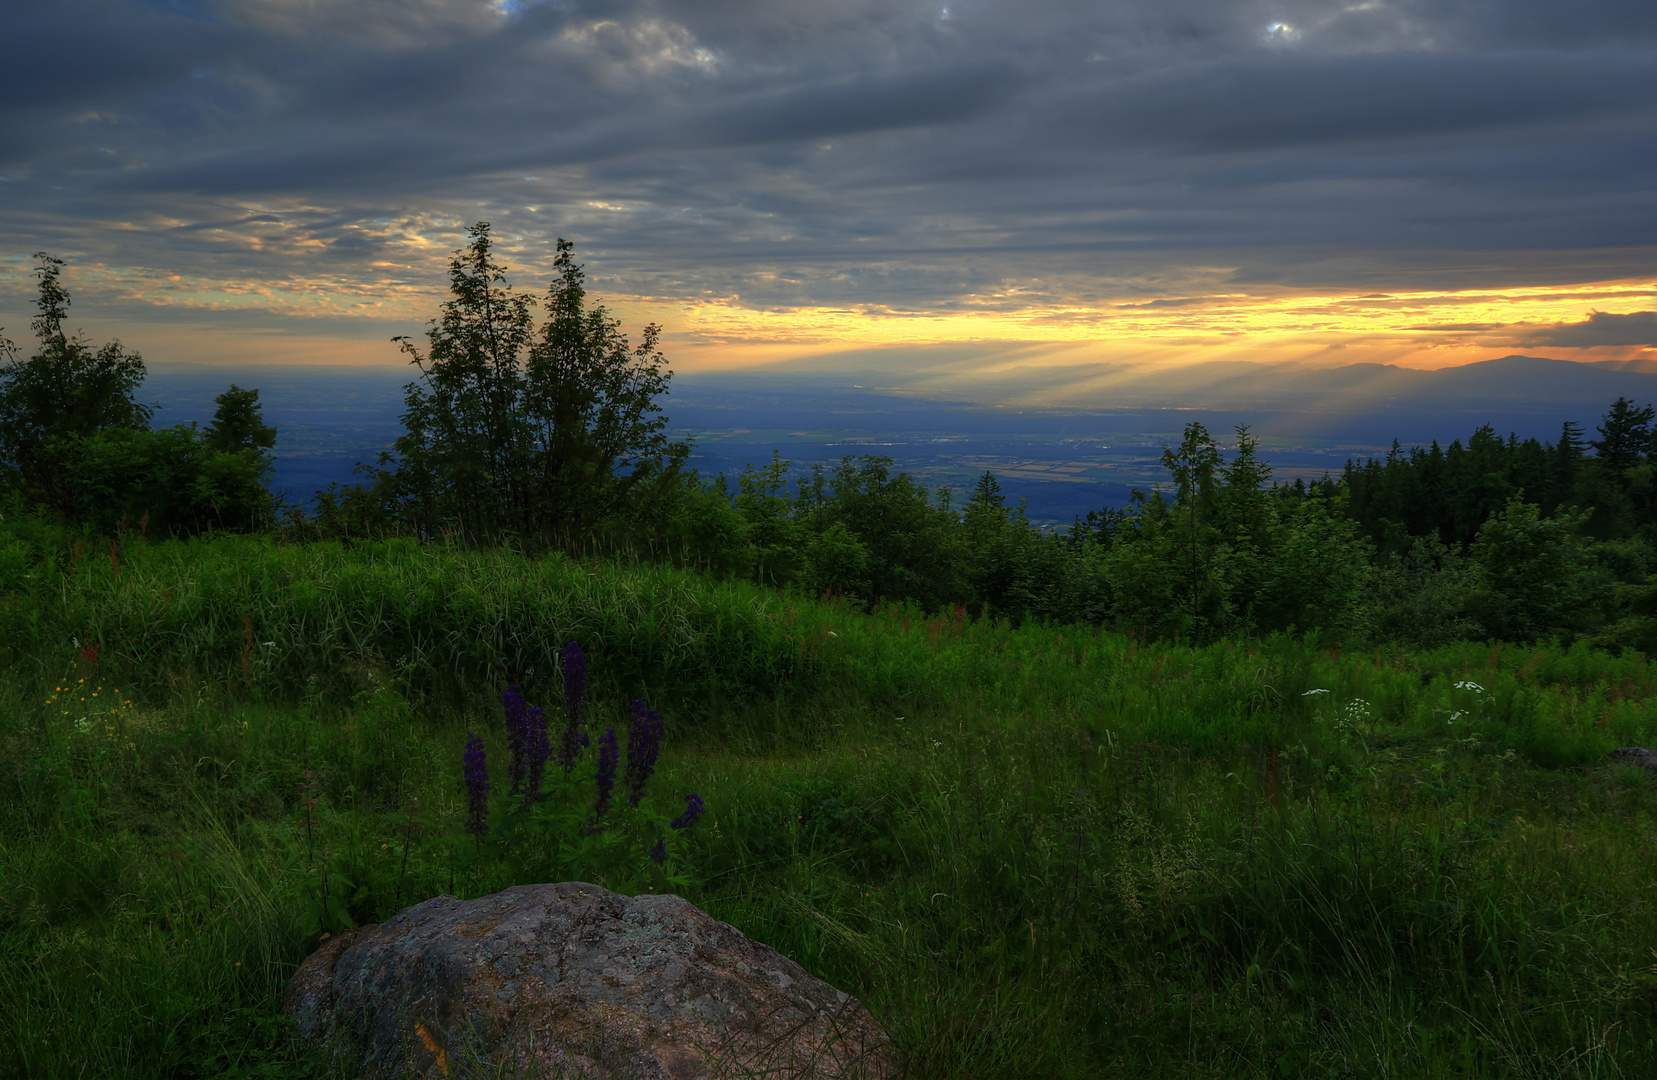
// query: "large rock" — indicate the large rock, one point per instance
point(572, 980)
point(1639, 757)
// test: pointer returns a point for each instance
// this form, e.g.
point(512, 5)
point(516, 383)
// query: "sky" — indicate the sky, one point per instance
point(1145, 182)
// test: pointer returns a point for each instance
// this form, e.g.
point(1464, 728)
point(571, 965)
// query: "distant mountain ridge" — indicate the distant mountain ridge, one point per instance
point(1531, 395)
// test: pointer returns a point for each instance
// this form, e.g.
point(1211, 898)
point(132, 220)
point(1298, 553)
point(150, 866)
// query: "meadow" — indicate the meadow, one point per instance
point(1032, 851)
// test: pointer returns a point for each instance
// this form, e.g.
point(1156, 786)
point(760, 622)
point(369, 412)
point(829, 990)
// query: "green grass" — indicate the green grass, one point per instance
point(1031, 851)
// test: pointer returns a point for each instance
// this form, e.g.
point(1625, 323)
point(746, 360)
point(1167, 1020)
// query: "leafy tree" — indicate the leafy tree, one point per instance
point(1245, 519)
point(1423, 597)
point(861, 532)
point(238, 424)
point(231, 489)
point(911, 541)
point(1618, 482)
point(74, 439)
point(551, 433)
point(1478, 482)
point(1266, 560)
point(596, 432)
point(1630, 614)
point(1100, 528)
point(1016, 570)
point(1536, 576)
point(65, 391)
point(166, 480)
point(1315, 571)
point(768, 511)
point(836, 563)
point(1452, 492)
point(699, 527)
point(1149, 572)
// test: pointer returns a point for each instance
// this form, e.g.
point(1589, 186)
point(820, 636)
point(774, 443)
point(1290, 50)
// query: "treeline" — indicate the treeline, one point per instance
point(1222, 551)
point(1450, 493)
point(76, 443)
point(549, 435)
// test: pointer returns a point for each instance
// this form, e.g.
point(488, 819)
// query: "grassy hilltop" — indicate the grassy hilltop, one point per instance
point(1033, 851)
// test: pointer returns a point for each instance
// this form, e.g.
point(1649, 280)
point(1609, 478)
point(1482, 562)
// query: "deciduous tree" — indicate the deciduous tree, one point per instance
point(551, 433)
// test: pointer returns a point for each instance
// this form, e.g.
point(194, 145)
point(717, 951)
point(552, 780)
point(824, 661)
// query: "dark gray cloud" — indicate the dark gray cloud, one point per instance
point(872, 151)
point(1164, 302)
point(1602, 328)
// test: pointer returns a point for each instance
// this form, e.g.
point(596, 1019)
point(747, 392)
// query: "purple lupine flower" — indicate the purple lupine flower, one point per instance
point(575, 702)
point(536, 752)
point(575, 680)
point(659, 852)
point(644, 743)
point(477, 787)
point(517, 713)
point(693, 812)
point(606, 779)
point(574, 741)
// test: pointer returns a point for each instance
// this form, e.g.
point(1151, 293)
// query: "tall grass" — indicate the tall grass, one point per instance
point(275, 622)
point(1034, 851)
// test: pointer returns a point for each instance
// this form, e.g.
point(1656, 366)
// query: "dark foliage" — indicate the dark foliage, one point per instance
point(75, 440)
point(549, 433)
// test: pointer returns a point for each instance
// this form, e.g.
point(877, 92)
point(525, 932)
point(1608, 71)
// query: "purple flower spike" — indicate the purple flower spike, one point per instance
point(575, 680)
point(693, 812)
point(644, 744)
point(536, 751)
point(659, 852)
point(477, 787)
point(575, 701)
point(606, 780)
point(517, 733)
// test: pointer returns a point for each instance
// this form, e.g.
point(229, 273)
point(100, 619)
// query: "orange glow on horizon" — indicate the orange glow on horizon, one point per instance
point(1412, 329)
point(345, 319)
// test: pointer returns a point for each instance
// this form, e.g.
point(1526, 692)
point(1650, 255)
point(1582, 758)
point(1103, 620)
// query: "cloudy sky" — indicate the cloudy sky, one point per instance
point(1425, 182)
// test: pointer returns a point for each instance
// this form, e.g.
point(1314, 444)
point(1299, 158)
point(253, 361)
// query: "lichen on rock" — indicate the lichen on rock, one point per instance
point(572, 980)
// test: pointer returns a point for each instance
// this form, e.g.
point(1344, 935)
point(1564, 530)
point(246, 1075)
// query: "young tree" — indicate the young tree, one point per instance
point(1195, 466)
point(910, 547)
point(1149, 573)
point(238, 424)
point(1564, 463)
point(1536, 576)
point(455, 466)
point(65, 391)
point(1245, 519)
point(992, 536)
point(1624, 435)
point(1615, 483)
point(596, 432)
point(231, 489)
point(769, 514)
point(550, 433)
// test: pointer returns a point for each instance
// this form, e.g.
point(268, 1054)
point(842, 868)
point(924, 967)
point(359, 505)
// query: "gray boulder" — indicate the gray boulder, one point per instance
point(570, 981)
point(1639, 757)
